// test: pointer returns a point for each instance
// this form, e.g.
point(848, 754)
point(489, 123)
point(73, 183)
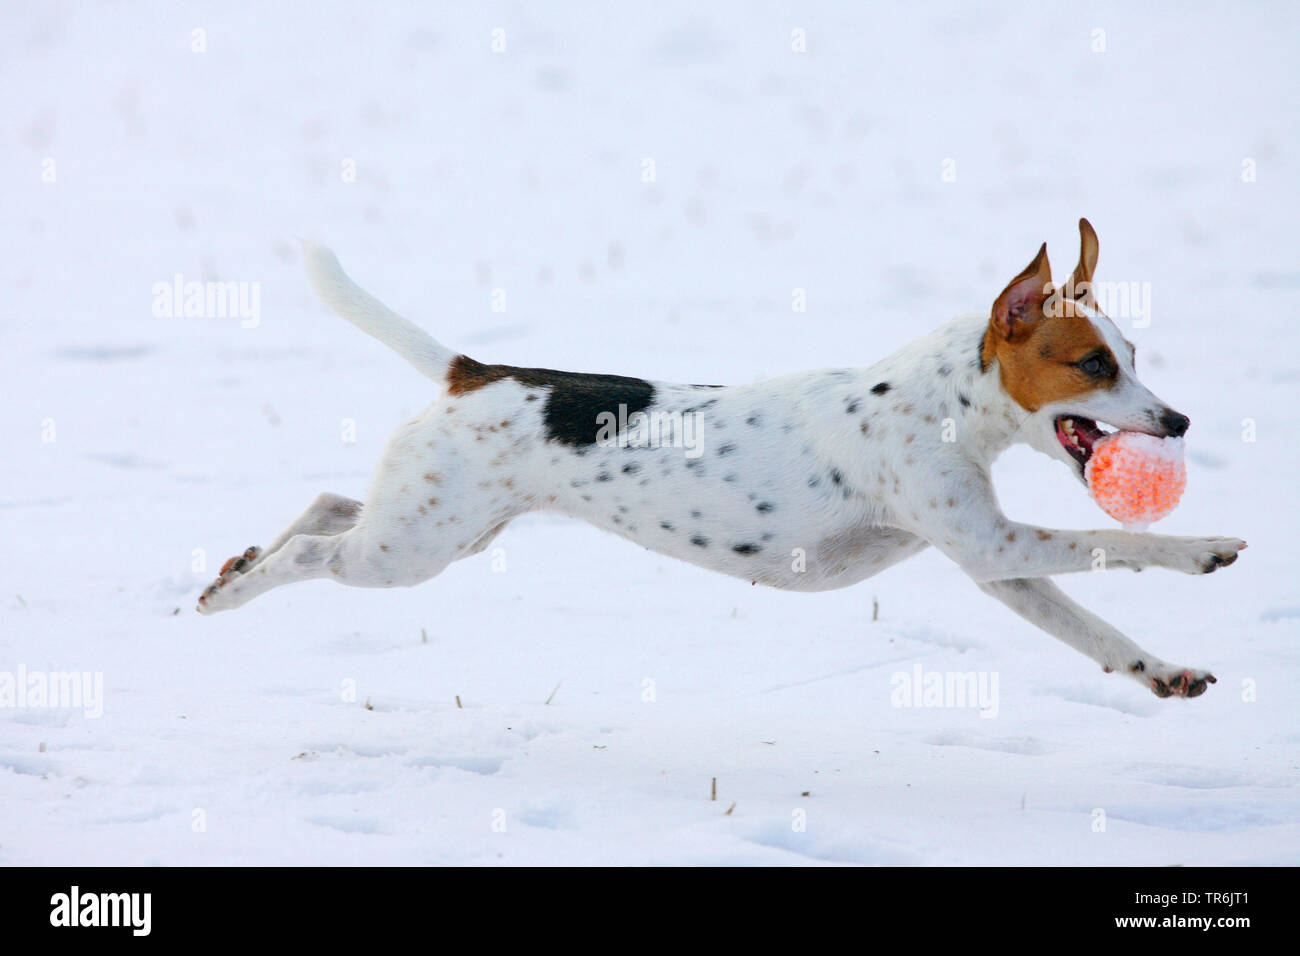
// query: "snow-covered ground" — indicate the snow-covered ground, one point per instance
point(899, 171)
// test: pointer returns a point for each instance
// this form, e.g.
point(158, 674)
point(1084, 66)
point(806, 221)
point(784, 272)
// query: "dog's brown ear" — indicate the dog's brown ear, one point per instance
point(1081, 280)
point(1021, 303)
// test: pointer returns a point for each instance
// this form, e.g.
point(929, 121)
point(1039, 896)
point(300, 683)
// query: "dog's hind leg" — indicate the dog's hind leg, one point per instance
point(301, 558)
point(380, 554)
point(329, 514)
point(1042, 603)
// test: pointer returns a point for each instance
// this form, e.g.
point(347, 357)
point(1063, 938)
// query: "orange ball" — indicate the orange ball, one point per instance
point(1136, 478)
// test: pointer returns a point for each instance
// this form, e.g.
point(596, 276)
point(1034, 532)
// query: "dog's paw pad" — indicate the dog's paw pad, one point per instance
point(1184, 683)
point(229, 571)
point(239, 562)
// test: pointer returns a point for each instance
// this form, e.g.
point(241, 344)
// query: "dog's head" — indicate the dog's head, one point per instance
point(1065, 362)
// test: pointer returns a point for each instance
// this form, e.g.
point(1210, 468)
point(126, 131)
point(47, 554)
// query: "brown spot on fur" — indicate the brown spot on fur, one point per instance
point(433, 478)
point(433, 502)
point(466, 375)
point(383, 547)
point(1043, 535)
point(1011, 536)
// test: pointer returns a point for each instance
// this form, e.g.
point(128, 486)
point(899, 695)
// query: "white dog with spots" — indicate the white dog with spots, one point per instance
point(807, 482)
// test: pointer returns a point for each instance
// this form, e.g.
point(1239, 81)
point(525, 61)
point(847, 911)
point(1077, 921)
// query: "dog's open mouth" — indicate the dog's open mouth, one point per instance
point(1079, 436)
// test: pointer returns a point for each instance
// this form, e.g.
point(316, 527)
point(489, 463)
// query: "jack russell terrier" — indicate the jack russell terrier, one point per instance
point(807, 482)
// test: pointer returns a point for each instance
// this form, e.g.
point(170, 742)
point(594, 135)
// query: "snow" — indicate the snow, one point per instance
point(603, 688)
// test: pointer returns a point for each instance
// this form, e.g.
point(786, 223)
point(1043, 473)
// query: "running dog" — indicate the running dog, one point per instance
point(807, 482)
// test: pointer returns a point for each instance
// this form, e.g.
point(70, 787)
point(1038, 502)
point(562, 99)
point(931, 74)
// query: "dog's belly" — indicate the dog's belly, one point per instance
point(794, 557)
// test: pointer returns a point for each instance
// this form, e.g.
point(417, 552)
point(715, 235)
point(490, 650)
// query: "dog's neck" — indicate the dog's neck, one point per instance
point(994, 420)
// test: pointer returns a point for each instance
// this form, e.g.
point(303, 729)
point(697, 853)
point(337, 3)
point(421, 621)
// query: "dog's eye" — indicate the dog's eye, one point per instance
point(1095, 366)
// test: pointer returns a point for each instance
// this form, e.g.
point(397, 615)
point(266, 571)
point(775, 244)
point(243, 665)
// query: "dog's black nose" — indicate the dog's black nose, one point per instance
point(1176, 425)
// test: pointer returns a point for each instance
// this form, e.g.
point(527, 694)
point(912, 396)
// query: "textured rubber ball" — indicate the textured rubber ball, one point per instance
point(1137, 479)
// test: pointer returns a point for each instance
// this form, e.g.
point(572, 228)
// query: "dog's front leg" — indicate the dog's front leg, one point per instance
point(958, 513)
point(1043, 604)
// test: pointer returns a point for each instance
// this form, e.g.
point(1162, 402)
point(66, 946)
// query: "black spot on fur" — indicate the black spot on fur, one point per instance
point(853, 407)
point(703, 406)
point(699, 541)
point(631, 468)
point(945, 369)
point(836, 477)
point(763, 507)
point(747, 549)
point(726, 449)
point(667, 526)
point(880, 389)
point(575, 399)
point(755, 420)
point(965, 402)
point(604, 476)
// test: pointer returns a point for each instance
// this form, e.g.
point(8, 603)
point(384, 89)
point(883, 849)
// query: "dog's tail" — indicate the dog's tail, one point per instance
point(371, 316)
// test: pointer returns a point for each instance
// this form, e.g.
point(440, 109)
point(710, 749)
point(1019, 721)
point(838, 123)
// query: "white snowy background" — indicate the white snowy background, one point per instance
point(522, 170)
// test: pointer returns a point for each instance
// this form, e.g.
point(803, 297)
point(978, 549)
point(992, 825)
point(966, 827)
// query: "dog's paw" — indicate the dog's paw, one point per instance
point(210, 599)
point(1202, 555)
point(1168, 681)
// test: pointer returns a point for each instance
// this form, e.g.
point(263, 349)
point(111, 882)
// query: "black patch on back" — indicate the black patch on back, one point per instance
point(574, 401)
point(880, 389)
